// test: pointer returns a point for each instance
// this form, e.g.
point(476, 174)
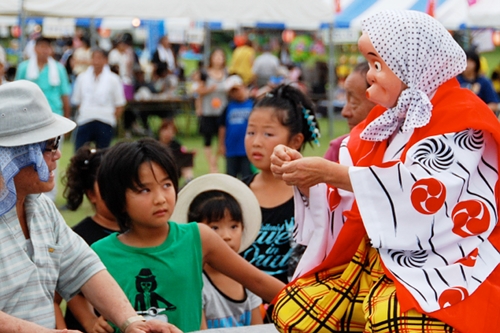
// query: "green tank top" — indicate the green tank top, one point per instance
point(162, 282)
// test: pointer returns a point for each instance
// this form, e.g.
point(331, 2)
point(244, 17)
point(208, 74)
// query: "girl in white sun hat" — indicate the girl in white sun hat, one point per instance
point(230, 208)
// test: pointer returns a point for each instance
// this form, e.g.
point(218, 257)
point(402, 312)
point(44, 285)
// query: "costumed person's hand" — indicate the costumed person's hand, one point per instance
point(152, 326)
point(304, 173)
point(67, 331)
point(102, 326)
point(281, 155)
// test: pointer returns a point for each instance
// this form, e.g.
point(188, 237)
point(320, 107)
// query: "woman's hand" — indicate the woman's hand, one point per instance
point(304, 172)
point(281, 155)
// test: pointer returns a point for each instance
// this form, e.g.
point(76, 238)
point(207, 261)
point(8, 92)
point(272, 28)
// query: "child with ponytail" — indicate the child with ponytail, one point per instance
point(283, 116)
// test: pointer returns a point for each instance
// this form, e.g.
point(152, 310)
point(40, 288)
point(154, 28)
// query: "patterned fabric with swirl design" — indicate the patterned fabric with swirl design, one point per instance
point(434, 212)
point(429, 213)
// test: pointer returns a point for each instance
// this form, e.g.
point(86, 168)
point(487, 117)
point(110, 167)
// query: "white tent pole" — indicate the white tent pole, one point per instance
point(331, 80)
point(207, 45)
point(93, 33)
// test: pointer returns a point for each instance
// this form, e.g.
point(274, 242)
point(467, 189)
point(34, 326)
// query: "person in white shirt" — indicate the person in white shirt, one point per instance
point(123, 57)
point(265, 66)
point(99, 95)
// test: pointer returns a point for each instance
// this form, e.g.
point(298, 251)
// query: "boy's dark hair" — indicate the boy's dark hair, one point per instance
point(43, 39)
point(289, 105)
point(119, 171)
point(81, 175)
point(472, 55)
point(103, 52)
point(212, 205)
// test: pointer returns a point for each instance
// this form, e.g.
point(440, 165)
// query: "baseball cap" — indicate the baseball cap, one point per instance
point(232, 81)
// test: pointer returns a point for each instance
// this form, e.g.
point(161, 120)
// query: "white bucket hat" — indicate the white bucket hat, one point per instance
point(250, 207)
point(26, 116)
point(233, 81)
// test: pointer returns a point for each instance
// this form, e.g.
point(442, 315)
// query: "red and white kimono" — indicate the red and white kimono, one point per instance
point(428, 201)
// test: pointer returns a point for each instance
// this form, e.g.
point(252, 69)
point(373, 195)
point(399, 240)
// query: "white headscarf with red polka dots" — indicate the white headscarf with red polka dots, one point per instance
point(422, 54)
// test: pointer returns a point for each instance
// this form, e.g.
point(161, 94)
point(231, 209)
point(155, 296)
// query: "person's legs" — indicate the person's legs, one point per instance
point(103, 134)
point(84, 134)
point(232, 166)
point(384, 314)
point(208, 129)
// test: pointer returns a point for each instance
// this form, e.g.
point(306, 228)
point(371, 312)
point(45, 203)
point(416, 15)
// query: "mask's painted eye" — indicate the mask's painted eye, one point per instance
point(378, 66)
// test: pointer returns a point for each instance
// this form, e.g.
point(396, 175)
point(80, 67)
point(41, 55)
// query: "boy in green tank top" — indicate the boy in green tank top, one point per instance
point(159, 263)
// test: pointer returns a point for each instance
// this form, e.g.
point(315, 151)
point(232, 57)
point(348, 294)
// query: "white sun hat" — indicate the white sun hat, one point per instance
point(250, 207)
point(26, 116)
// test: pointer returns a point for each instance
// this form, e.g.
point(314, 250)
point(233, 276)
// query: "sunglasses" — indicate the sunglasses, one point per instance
point(52, 145)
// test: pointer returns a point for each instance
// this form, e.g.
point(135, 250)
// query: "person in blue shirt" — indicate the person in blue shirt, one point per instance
point(472, 79)
point(232, 127)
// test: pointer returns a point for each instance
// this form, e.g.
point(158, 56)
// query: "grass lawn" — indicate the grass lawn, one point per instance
point(188, 137)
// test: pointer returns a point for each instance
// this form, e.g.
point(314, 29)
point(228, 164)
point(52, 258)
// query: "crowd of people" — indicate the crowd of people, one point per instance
point(394, 229)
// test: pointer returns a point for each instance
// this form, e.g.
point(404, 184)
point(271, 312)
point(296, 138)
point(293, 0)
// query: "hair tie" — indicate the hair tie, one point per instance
point(313, 128)
point(92, 152)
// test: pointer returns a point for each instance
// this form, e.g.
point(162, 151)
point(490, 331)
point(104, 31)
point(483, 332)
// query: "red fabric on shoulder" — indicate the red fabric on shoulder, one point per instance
point(455, 109)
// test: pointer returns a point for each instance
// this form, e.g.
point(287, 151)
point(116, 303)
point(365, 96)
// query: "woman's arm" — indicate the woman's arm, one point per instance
point(203, 89)
point(220, 256)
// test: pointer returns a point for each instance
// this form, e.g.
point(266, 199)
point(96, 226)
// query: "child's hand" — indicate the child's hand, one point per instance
point(102, 326)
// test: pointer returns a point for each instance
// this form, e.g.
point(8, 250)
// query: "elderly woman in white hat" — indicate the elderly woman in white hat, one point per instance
point(39, 253)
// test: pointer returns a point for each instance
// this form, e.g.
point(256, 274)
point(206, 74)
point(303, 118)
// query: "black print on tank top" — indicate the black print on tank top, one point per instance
point(147, 302)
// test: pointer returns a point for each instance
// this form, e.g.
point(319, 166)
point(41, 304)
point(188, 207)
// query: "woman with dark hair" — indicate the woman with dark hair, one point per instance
point(213, 101)
point(472, 79)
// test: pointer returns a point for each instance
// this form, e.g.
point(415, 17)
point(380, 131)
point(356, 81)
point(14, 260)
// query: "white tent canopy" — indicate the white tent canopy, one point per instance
point(453, 14)
point(485, 13)
point(298, 14)
point(9, 7)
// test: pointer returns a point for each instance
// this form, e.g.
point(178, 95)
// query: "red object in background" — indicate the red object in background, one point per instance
point(104, 33)
point(288, 36)
point(336, 6)
point(15, 31)
point(431, 7)
point(240, 40)
point(496, 38)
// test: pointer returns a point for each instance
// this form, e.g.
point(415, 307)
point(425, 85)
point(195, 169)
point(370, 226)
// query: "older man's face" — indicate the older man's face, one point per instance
point(27, 180)
point(357, 105)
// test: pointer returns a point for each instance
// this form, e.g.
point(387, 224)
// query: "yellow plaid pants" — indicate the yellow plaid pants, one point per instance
point(356, 297)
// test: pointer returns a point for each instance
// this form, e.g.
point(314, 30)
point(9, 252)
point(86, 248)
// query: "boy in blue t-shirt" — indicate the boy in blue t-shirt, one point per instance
point(233, 125)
